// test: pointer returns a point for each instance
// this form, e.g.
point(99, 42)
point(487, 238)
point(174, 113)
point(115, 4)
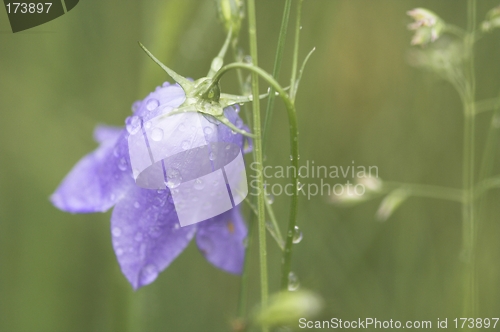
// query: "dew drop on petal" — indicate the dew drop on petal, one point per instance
point(135, 106)
point(119, 251)
point(147, 125)
point(122, 164)
point(157, 134)
point(208, 130)
point(133, 124)
point(182, 127)
point(116, 231)
point(199, 184)
point(185, 145)
point(174, 178)
point(297, 235)
point(152, 104)
point(293, 282)
point(148, 274)
point(212, 156)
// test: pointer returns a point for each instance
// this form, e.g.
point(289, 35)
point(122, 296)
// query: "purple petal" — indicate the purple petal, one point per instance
point(220, 240)
point(104, 133)
point(157, 102)
point(146, 234)
point(99, 179)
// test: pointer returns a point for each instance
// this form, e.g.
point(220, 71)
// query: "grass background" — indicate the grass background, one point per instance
point(359, 101)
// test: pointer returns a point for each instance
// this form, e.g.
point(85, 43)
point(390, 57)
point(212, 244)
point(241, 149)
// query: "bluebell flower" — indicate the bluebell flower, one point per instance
point(145, 229)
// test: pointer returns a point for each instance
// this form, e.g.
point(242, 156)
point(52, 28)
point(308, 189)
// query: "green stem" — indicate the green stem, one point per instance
point(287, 255)
point(293, 80)
point(293, 129)
point(276, 70)
point(257, 149)
point(487, 105)
point(242, 303)
point(469, 226)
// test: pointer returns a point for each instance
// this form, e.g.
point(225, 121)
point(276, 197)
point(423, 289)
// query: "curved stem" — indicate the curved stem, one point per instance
point(293, 128)
point(252, 32)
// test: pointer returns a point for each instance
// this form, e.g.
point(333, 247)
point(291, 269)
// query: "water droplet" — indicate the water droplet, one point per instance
point(270, 198)
point(136, 105)
point(116, 151)
point(116, 231)
point(174, 178)
point(119, 251)
point(176, 226)
point(147, 125)
point(297, 235)
point(137, 205)
point(157, 134)
point(199, 184)
point(185, 145)
point(233, 132)
point(293, 282)
point(152, 104)
point(300, 186)
point(212, 156)
point(208, 130)
point(301, 27)
point(291, 157)
point(122, 164)
point(239, 123)
point(148, 274)
point(247, 59)
point(160, 191)
point(138, 237)
point(182, 127)
point(133, 124)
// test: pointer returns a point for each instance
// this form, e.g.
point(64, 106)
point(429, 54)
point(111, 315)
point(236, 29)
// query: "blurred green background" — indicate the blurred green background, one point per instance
point(359, 101)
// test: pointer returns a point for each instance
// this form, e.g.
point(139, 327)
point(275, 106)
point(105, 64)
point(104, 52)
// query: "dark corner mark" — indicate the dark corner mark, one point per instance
point(26, 14)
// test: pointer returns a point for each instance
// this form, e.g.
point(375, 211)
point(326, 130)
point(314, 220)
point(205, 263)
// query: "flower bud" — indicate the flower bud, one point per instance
point(427, 26)
point(288, 307)
point(390, 203)
point(492, 20)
